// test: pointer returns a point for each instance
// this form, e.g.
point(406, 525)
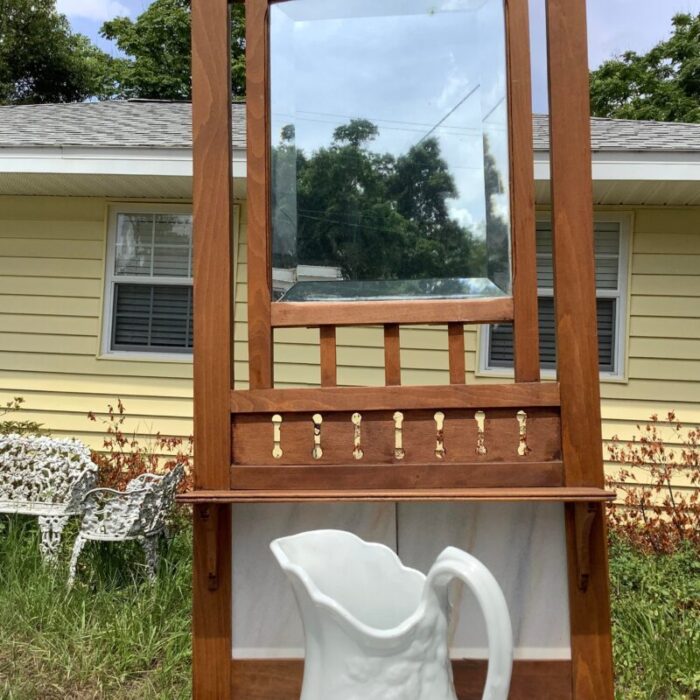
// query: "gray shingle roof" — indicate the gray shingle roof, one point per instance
point(113, 124)
point(629, 135)
point(153, 124)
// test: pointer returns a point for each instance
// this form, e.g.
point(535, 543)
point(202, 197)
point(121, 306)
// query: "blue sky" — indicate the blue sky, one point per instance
point(613, 26)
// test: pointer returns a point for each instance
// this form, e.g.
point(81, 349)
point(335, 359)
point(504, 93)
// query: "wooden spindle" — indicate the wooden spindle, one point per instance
point(392, 354)
point(329, 363)
point(455, 339)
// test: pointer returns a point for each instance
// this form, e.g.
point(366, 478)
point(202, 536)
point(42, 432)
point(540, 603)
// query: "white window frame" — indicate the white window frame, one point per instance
point(624, 219)
point(110, 280)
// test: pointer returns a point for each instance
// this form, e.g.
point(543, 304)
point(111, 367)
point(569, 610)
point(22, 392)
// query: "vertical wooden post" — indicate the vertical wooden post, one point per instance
point(258, 126)
point(526, 349)
point(392, 354)
point(213, 225)
point(455, 342)
point(577, 345)
point(329, 363)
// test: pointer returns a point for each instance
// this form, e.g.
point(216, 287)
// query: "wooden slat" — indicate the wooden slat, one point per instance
point(213, 225)
point(404, 476)
point(397, 397)
point(253, 437)
point(263, 679)
point(258, 183)
point(392, 354)
point(577, 347)
point(357, 313)
point(455, 340)
point(329, 367)
point(563, 494)
point(522, 194)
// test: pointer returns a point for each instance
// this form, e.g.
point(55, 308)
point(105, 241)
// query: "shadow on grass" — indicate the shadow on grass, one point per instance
point(117, 635)
point(114, 635)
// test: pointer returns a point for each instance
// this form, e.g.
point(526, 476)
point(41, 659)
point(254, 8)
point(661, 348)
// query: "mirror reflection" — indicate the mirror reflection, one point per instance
point(389, 149)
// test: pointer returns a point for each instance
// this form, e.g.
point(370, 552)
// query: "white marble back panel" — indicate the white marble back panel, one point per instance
point(524, 546)
point(266, 621)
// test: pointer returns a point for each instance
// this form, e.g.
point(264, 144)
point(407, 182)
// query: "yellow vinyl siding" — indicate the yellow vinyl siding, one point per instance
point(51, 272)
point(664, 325)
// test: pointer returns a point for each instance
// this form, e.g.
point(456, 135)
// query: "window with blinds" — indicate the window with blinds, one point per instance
point(608, 252)
point(150, 286)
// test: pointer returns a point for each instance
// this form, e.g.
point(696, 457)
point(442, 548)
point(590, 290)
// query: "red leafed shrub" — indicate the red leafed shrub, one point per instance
point(659, 478)
point(124, 456)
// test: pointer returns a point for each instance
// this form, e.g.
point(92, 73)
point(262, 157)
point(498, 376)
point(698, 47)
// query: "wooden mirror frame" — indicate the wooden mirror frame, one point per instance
point(520, 309)
point(215, 675)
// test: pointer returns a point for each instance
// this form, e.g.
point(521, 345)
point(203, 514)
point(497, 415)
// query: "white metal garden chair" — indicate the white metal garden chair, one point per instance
point(137, 513)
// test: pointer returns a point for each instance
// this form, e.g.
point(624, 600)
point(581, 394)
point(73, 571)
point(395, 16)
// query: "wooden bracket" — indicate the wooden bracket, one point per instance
point(209, 514)
point(584, 515)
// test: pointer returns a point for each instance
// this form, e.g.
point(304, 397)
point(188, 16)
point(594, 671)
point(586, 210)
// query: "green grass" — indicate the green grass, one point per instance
point(656, 623)
point(115, 635)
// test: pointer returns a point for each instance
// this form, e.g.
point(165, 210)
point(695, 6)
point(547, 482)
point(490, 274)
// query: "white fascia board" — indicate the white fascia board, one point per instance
point(107, 161)
point(609, 165)
point(635, 166)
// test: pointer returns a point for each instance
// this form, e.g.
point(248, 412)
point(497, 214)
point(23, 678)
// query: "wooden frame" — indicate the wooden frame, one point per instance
point(575, 477)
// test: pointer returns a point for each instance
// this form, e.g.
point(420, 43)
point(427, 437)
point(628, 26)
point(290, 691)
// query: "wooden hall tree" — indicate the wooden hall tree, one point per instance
point(527, 441)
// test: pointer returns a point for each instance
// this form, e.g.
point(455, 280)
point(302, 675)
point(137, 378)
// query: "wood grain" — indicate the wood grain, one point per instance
point(577, 346)
point(455, 344)
point(522, 194)
point(265, 679)
point(392, 354)
point(556, 494)
point(357, 313)
point(329, 364)
point(331, 399)
point(253, 438)
point(212, 222)
point(258, 187)
point(399, 476)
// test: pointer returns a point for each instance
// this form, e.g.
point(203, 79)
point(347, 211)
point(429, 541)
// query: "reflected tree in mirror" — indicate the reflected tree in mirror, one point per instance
point(389, 150)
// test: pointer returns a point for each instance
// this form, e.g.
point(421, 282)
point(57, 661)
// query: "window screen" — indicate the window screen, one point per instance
point(607, 265)
point(151, 283)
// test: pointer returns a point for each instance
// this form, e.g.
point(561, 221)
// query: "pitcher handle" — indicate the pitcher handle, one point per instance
point(455, 563)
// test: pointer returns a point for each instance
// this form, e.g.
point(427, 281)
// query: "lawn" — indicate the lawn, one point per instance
point(115, 635)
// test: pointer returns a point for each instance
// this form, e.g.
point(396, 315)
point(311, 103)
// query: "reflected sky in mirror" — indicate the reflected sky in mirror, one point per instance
point(389, 143)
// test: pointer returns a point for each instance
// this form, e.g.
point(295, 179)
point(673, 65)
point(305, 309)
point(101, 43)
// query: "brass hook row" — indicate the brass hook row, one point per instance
point(399, 452)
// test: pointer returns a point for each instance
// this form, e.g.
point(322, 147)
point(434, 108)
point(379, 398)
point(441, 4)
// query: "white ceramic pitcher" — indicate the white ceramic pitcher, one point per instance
point(377, 630)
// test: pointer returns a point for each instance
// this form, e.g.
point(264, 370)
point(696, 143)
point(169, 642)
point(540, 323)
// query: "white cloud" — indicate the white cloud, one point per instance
point(96, 10)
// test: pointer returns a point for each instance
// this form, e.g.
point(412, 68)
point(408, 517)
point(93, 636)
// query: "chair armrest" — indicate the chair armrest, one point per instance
point(143, 480)
point(110, 512)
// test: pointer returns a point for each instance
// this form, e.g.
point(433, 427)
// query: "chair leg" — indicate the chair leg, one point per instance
point(150, 548)
point(77, 548)
point(51, 527)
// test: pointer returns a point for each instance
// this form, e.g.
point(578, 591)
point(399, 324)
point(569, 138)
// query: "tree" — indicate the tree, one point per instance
point(663, 84)
point(41, 60)
point(374, 215)
point(158, 62)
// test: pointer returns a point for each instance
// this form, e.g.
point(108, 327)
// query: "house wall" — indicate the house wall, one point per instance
point(51, 281)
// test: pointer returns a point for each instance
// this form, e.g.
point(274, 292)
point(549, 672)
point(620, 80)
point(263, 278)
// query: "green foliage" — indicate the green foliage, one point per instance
point(663, 84)
point(41, 60)
point(656, 623)
point(373, 215)
point(23, 427)
point(114, 635)
point(117, 636)
point(157, 45)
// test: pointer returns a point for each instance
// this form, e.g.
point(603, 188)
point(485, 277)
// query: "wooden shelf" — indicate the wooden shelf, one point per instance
point(561, 494)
